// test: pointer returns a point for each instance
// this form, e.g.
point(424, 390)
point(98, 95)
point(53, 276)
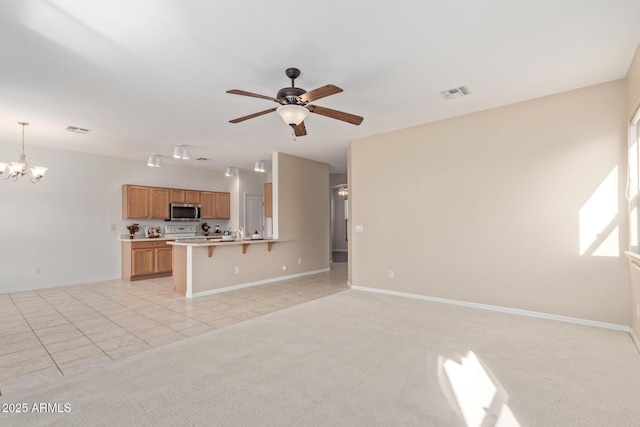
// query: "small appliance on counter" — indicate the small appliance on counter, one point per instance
point(152, 232)
point(205, 228)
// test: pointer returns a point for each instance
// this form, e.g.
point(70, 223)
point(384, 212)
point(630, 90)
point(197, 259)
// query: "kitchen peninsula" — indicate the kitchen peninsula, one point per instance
point(203, 267)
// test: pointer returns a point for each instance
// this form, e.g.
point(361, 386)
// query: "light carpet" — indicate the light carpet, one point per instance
point(360, 359)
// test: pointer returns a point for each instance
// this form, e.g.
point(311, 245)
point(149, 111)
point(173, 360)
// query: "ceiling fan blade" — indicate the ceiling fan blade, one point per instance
point(335, 114)
point(320, 92)
point(300, 130)
point(251, 116)
point(253, 95)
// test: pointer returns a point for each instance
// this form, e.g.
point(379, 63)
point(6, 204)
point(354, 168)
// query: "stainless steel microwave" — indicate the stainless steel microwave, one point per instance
point(185, 212)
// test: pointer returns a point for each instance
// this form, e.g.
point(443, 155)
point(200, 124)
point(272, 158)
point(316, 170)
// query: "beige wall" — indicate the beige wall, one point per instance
point(518, 206)
point(301, 211)
point(633, 103)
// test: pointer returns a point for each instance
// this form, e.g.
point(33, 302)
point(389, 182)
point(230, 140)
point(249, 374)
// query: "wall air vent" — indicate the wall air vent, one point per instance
point(77, 129)
point(456, 92)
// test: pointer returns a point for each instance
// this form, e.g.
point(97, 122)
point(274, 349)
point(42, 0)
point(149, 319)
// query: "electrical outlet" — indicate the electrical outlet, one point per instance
point(391, 274)
point(299, 261)
point(237, 270)
point(112, 227)
point(37, 270)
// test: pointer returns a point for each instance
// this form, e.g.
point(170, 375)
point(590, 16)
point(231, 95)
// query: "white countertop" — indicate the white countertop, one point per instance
point(141, 238)
point(218, 242)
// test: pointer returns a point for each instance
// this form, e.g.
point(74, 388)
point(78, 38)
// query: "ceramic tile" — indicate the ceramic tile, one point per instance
point(67, 344)
point(48, 321)
point(26, 354)
point(120, 347)
point(23, 344)
point(197, 330)
point(84, 364)
point(165, 339)
point(26, 366)
point(60, 336)
point(116, 331)
point(71, 354)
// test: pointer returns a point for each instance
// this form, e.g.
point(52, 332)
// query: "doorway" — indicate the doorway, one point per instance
point(253, 214)
point(339, 223)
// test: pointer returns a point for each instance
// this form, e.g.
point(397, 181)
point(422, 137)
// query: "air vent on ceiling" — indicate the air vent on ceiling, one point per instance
point(77, 129)
point(202, 158)
point(456, 92)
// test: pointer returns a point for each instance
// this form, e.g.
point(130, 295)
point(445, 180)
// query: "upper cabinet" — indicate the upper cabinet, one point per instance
point(159, 206)
point(223, 206)
point(177, 195)
point(208, 202)
point(135, 201)
point(141, 202)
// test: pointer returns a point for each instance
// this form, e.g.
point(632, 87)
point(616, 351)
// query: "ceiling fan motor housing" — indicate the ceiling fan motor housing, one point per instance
point(290, 95)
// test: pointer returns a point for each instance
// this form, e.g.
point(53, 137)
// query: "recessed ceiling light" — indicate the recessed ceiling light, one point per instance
point(77, 129)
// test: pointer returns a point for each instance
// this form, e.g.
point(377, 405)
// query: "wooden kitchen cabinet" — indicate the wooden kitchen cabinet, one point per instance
point(223, 206)
point(159, 205)
point(143, 202)
point(135, 201)
point(141, 260)
point(177, 195)
point(215, 205)
point(192, 197)
point(140, 202)
point(208, 203)
point(268, 200)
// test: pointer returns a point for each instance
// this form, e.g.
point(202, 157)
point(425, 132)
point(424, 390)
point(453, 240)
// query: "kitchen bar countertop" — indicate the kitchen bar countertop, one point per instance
point(219, 242)
point(141, 238)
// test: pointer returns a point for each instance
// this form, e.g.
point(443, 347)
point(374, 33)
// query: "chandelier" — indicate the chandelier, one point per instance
point(15, 170)
point(343, 191)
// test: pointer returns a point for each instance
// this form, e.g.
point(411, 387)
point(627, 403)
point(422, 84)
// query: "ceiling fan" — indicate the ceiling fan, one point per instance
point(295, 104)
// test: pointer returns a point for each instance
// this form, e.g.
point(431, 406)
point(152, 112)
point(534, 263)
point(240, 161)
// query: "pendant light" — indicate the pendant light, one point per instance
point(15, 170)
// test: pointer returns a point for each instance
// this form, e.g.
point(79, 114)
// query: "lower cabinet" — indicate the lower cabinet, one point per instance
point(141, 260)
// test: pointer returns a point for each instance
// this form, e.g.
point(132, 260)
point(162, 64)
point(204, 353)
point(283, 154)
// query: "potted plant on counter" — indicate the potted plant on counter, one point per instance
point(133, 229)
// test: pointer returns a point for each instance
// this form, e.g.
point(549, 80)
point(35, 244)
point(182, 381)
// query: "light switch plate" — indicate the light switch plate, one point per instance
point(359, 228)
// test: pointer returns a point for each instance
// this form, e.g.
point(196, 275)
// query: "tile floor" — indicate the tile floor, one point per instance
point(58, 331)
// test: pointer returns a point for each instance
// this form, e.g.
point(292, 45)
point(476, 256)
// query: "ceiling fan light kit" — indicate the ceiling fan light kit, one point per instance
point(292, 114)
point(295, 104)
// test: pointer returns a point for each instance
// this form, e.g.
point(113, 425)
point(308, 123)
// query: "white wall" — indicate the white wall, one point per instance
point(520, 206)
point(61, 225)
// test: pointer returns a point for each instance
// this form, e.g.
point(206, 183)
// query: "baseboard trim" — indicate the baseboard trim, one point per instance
point(517, 311)
point(256, 283)
point(635, 339)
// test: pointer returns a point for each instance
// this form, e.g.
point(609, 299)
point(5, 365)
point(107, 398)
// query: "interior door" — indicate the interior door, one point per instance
point(253, 214)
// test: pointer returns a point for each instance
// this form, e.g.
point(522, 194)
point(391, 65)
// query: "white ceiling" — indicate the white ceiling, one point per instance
point(145, 75)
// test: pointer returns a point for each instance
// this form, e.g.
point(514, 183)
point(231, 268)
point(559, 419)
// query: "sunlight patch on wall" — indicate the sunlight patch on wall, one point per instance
point(597, 219)
point(481, 400)
point(632, 189)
